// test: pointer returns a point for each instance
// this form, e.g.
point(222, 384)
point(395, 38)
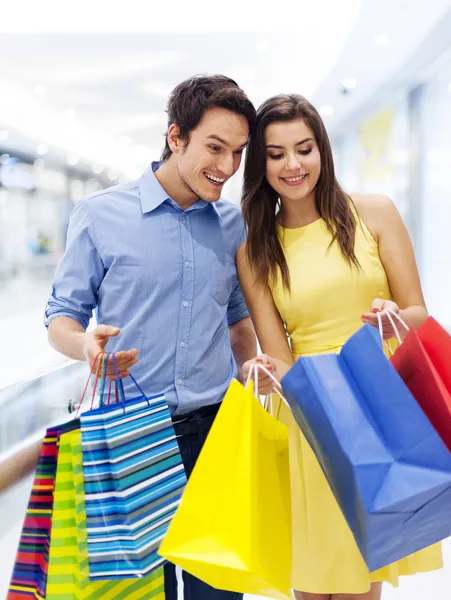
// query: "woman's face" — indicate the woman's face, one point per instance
point(293, 161)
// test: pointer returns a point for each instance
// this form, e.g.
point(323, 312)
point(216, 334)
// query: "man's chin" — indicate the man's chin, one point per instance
point(212, 195)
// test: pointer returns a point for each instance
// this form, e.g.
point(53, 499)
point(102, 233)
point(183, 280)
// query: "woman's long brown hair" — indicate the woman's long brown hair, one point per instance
point(259, 200)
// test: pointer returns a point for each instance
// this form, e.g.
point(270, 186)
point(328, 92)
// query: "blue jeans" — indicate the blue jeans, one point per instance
point(194, 589)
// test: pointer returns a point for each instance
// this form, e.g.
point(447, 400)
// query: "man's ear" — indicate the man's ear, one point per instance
point(175, 142)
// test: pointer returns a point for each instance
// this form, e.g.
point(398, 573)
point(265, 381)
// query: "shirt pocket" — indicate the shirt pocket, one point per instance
point(223, 277)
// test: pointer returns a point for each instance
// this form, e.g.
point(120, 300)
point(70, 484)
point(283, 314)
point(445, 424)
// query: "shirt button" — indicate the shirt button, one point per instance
point(182, 344)
point(185, 303)
point(187, 264)
point(179, 382)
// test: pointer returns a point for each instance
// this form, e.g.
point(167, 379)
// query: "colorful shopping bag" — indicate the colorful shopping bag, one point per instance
point(68, 572)
point(233, 527)
point(29, 577)
point(424, 362)
point(386, 465)
point(134, 478)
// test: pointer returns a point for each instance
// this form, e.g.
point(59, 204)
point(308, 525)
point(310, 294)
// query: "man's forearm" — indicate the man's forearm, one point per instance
point(243, 341)
point(68, 337)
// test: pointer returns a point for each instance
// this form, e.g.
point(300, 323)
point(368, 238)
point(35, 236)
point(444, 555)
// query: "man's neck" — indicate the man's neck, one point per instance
point(169, 179)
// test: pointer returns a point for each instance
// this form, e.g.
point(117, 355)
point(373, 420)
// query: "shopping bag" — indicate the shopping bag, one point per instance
point(134, 478)
point(233, 526)
point(423, 361)
point(386, 465)
point(68, 571)
point(29, 577)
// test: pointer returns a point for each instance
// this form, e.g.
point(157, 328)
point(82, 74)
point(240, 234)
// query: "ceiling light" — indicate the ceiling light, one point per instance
point(113, 174)
point(349, 83)
point(382, 39)
point(40, 90)
point(97, 169)
point(42, 149)
point(326, 110)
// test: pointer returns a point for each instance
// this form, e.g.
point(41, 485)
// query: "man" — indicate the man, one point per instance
point(156, 259)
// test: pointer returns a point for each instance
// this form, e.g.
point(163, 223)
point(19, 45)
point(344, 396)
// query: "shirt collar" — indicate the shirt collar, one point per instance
point(153, 194)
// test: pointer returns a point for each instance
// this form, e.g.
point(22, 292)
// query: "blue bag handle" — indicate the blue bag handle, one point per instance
point(119, 381)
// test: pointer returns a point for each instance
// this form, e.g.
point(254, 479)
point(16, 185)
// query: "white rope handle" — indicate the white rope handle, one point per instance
point(397, 316)
point(390, 314)
point(278, 387)
point(270, 375)
point(381, 333)
point(381, 329)
point(249, 377)
point(253, 371)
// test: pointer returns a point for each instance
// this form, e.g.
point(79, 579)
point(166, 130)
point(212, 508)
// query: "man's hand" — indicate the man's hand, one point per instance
point(95, 342)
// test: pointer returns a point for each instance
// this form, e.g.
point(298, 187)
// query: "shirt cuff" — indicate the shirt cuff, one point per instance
point(237, 314)
point(66, 313)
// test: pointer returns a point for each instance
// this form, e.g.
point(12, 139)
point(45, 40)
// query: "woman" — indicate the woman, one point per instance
point(316, 265)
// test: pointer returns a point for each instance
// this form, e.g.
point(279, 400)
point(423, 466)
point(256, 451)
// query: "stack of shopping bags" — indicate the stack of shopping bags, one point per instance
point(381, 430)
point(387, 466)
point(105, 489)
point(106, 508)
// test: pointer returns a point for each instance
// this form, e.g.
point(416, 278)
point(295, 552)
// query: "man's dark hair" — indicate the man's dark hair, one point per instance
point(190, 100)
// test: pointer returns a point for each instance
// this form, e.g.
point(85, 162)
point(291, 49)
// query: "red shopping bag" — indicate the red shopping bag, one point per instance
point(437, 343)
point(423, 361)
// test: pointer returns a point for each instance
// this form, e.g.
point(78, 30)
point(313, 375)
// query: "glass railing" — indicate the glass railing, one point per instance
point(29, 407)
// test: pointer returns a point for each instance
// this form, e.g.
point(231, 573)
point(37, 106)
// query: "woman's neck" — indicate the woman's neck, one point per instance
point(298, 213)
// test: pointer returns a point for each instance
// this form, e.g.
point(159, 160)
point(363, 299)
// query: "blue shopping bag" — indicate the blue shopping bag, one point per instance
point(386, 465)
point(134, 478)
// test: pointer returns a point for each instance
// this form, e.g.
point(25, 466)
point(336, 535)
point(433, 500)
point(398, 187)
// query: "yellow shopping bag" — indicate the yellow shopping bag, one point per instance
point(233, 526)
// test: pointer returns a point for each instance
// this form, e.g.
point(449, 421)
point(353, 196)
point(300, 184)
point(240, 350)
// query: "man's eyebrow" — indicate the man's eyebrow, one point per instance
point(219, 139)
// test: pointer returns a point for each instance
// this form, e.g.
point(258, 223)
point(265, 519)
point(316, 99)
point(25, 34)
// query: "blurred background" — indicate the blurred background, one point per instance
point(83, 91)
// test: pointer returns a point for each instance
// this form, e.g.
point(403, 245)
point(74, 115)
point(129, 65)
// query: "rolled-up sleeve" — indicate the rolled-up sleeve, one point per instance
point(78, 275)
point(236, 309)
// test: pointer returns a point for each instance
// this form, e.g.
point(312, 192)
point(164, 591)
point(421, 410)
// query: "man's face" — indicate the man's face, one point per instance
point(213, 153)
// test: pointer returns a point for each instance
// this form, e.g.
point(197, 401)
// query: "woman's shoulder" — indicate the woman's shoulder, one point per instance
point(374, 210)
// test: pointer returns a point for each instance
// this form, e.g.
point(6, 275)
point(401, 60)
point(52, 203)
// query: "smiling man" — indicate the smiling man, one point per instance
point(156, 259)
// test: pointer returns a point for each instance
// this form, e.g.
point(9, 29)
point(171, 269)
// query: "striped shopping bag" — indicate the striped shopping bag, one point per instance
point(68, 571)
point(134, 478)
point(29, 577)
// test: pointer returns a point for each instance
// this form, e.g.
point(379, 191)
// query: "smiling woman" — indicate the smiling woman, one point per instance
point(316, 264)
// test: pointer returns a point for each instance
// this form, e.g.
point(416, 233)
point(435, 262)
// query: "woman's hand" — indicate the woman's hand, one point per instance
point(381, 307)
point(265, 383)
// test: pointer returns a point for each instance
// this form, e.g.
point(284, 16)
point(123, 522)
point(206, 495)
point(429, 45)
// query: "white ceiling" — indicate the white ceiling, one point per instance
point(405, 23)
point(101, 96)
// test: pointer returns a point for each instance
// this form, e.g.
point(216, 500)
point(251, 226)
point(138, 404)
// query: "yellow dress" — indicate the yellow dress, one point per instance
point(321, 312)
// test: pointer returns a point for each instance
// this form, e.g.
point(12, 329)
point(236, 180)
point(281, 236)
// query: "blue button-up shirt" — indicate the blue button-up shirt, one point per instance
point(166, 277)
